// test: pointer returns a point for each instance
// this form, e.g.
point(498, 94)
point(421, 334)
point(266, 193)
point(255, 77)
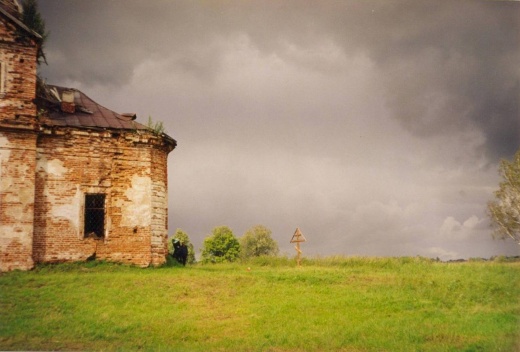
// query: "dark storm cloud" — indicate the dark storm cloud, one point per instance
point(119, 35)
point(369, 124)
point(455, 66)
point(444, 66)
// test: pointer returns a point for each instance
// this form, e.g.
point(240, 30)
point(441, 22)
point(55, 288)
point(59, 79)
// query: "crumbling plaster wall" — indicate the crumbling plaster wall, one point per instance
point(17, 147)
point(17, 162)
point(126, 167)
point(159, 202)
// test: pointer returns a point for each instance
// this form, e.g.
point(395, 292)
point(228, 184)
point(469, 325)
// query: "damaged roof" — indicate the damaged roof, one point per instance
point(71, 107)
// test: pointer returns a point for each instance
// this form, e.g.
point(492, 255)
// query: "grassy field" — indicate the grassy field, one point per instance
point(328, 304)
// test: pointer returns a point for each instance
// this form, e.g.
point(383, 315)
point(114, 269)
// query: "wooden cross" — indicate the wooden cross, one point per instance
point(298, 238)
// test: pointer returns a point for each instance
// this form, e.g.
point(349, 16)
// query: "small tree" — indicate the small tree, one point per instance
point(221, 246)
point(184, 238)
point(256, 242)
point(32, 19)
point(505, 210)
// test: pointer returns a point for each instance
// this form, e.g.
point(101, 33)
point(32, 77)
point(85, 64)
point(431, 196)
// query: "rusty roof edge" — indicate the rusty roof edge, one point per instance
point(131, 115)
point(172, 143)
point(163, 135)
point(108, 129)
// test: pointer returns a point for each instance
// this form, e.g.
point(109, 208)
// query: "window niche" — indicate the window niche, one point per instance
point(94, 217)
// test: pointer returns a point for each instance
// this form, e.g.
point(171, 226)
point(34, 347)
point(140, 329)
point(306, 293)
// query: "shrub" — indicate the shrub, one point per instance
point(220, 246)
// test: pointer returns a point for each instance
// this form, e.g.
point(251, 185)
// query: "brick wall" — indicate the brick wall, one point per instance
point(159, 225)
point(17, 147)
point(11, 7)
point(17, 163)
point(129, 168)
point(18, 64)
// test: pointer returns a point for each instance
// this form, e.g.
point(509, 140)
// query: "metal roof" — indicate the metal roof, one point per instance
point(87, 113)
point(69, 107)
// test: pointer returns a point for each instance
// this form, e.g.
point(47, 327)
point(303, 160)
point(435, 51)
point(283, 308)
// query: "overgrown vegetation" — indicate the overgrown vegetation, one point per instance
point(328, 304)
point(505, 210)
point(32, 18)
point(156, 127)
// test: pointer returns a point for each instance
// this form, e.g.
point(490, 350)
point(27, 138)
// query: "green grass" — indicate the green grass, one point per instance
point(328, 304)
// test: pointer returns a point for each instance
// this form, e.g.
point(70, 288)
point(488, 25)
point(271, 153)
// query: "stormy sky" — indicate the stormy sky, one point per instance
point(376, 127)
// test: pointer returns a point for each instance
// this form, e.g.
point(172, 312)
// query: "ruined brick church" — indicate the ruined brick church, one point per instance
point(77, 180)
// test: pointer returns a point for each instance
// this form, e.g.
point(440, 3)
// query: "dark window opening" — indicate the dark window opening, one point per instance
point(94, 215)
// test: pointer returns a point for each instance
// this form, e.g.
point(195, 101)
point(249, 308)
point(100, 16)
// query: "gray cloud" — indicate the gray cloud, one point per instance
point(368, 124)
point(443, 66)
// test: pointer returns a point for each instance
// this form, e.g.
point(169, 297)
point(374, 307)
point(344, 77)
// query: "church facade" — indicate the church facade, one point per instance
point(77, 180)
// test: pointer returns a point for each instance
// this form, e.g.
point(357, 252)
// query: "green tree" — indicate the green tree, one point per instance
point(32, 19)
point(505, 210)
point(256, 242)
point(184, 238)
point(220, 246)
